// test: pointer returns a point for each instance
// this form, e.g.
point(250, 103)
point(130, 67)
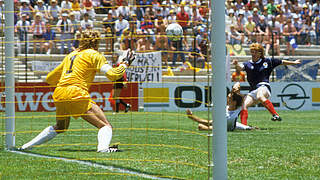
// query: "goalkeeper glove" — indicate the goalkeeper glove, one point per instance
point(128, 57)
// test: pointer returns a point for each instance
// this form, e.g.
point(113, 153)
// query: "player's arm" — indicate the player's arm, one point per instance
point(237, 65)
point(117, 73)
point(54, 76)
point(113, 73)
point(286, 62)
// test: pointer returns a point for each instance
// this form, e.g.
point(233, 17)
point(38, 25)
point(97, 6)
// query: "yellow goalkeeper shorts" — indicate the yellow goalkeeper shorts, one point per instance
point(71, 101)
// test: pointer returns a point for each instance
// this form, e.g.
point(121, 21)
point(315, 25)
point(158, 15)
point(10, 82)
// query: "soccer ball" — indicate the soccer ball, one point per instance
point(174, 32)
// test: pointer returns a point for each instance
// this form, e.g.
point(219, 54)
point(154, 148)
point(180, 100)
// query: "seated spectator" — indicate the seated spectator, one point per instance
point(21, 29)
point(86, 23)
point(96, 5)
point(106, 6)
point(66, 6)
point(53, 12)
point(124, 10)
point(127, 40)
point(196, 18)
point(159, 21)
point(75, 23)
point(250, 30)
point(234, 36)
point(178, 45)
point(65, 28)
point(183, 18)
point(203, 44)
point(261, 29)
point(196, 56)
point(289, 31)
point(76, 42)
point(108, 29)
point(49, 37)
point(144, 42)
point(27, 9)
point(147, 25)
point(309, 30)
point(172, 18)
point(41, 8)
point(272, 40)
point(134, 19)
point(241, 21)
point(238, 75)
point(297, 23)
point(38, 28)
point(120, 25)
point(161, 43)
point(76, 9)
point(88, 8)
point(317, 26)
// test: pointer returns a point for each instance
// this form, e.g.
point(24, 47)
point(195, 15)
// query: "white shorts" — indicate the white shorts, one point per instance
point(253, 93)
point(232, 117)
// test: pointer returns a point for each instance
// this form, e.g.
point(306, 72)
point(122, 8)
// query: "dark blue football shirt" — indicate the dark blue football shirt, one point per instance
point(260, 71)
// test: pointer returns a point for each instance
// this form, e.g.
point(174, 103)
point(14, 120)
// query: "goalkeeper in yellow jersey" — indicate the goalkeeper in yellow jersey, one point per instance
point(72, 79)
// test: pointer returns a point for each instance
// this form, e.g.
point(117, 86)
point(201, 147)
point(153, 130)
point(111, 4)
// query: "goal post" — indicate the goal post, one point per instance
point(218, 60)
point(9, 73)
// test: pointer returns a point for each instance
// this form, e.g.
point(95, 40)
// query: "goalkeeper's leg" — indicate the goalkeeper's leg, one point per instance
point(96, 117)
point(49, 133)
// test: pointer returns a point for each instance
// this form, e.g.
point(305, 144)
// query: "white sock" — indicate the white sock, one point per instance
point(104, 138)
point(46, 135)
point(242, 126)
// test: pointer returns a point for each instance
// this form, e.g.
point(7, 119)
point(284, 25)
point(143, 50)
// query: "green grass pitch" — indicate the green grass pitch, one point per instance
point(167, 145)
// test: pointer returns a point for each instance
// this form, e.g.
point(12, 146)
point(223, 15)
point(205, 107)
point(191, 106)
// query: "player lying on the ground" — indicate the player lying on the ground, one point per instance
point(234, 102)
point(72, 79)
point(258, 72)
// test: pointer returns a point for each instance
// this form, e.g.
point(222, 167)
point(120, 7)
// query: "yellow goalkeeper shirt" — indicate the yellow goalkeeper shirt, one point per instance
point(79, 68)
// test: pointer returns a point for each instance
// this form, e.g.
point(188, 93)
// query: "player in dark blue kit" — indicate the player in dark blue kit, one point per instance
point(258, 72)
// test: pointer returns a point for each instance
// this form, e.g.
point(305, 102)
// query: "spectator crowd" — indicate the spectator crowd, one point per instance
point(140, 25)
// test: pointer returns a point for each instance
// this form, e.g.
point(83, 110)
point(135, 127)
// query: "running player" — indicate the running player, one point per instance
point(72, 79)
point(258, 72)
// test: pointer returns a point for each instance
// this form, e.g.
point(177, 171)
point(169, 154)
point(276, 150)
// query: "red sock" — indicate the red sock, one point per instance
point(244, 116)
point(270, 107)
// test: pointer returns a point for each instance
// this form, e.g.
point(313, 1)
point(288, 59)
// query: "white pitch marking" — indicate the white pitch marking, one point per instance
point(87, 163)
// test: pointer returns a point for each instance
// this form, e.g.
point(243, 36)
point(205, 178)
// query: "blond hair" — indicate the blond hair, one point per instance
point(90, 39)
point(258, 47)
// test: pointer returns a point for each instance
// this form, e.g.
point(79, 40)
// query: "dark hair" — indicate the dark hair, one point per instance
point(236, 97)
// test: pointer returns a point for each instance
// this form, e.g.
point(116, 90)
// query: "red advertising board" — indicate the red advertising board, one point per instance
point(38, 96)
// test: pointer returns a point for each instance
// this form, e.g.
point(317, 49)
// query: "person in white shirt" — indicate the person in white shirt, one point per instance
point(86, 23)
point(22, 28)
point(120, 25)
point(65, 27)
point(40, 7)
point(66, 6)
point(53, 12)
point(124, 10)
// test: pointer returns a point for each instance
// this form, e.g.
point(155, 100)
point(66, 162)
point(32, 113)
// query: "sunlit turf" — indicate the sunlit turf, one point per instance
point(167, 144)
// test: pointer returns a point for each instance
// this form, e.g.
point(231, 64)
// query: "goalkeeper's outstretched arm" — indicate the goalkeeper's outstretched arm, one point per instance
point(113, 73)
point(117, 73)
